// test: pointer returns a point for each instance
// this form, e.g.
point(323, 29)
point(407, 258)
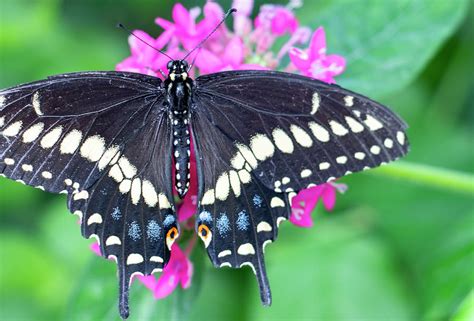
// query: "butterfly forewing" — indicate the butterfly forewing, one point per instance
point(294, 131)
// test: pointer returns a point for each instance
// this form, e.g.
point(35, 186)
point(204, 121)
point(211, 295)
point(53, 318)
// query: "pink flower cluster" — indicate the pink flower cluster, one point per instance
point(249, 45)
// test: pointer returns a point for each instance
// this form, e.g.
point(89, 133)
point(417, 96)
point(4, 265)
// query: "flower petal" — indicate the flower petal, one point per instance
point(300, 59)
point(303, 205)
point(234, 52)
point(329, 196)
point(317, 45)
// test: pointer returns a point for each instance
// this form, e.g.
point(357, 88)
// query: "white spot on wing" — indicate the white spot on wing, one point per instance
point(238, 161)
point(208, 197)
point(222, 187)
point(337, 128)
point(401, 137)
point(2, 102)
point(246, 249)
point(234, 182)
point(375, 150)
point(324, 165)
point(134, 258)
point(319, 132)
point(388, 143)
point(354, 125)
point(262, 147)
point(282, 141)
point(82, 195)
point(71, 142)
point(27, 167)
point(359, 155)
point(113, 240)
point(163, 201)
point(110, 154)
point(93, 148)
point(306, 173)
point(277, 202)
point(47, 175)
point(316, 100)
point(349, 101)
point(341, 159)
point(127, 168)
point(136, 191)
point(373, 123)
point(95, 218)
point(157, 259)
point(149, 193)
point(32, 133)
point(224, 253)
point(301, 136)
point(13, 129)
point(2, 121)
point(248, 155)
point(51, 137)
point(116, 173)
point(264, 227)
point(125, 186)
point(244, 176)
point(36, 104)
point(285, 180)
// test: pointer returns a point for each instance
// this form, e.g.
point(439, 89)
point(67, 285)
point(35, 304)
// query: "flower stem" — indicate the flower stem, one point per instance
point(429, 175)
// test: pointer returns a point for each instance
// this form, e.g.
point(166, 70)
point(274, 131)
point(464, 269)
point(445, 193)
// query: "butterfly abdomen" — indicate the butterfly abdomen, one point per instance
point(179, 92)
point(181, 152)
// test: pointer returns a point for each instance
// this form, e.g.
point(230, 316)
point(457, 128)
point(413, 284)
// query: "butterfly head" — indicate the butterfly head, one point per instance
point(178, 70)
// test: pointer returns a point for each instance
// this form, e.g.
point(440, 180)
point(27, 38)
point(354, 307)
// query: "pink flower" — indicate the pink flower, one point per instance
point(306, 200)
point(314, 62)
point(145, 59)
point(277, 18)
point(178, 270)
point(242, 21)
point(232, 58)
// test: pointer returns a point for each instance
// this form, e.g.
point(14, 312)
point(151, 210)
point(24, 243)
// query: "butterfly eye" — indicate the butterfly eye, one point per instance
point(185, 64)
point(205, 234)
point(171, 236)
point(170, 65)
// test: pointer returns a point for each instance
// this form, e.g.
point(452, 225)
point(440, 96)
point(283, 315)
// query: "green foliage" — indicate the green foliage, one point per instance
point(394, 248)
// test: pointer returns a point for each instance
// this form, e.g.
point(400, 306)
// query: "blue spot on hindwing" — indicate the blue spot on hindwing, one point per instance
point(116, 214)
point(169, 219)
point(205, 216)
point(223, 225)
point(243, 222)
point(134, 231)
point(257, 201)
point(153, 231)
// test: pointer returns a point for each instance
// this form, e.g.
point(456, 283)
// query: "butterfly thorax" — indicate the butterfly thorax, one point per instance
point(178, 87)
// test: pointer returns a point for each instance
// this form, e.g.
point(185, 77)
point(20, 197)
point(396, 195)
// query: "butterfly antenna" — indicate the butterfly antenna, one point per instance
point(231, 11)
point(121, 26)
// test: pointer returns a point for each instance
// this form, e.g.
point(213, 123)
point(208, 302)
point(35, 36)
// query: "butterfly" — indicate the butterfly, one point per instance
point(119, 143)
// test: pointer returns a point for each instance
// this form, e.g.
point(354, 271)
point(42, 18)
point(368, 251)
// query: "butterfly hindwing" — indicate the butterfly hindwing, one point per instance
point(104, 139)
point(295, 131)
point(237, 215)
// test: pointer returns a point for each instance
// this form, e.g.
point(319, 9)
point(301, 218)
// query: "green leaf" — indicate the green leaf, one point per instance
point(386, 43)
point(339, 271)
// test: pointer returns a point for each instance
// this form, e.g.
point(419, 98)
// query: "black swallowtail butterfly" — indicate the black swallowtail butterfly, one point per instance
point(110, 141)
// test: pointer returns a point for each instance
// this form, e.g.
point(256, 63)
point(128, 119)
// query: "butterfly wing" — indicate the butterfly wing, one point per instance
point(262, 136)
point(294, 131)
point(96, 136)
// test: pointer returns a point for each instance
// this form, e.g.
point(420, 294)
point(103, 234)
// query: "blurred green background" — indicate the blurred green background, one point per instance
point(400, 243)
